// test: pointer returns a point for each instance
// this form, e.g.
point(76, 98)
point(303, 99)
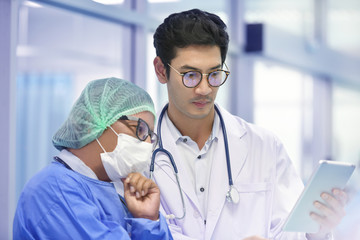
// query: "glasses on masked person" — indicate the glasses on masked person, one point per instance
point(142, 130)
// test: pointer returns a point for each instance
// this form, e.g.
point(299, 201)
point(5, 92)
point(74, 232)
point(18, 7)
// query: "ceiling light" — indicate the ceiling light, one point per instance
point(109, 2)
point(32, 4)
point(162, 1)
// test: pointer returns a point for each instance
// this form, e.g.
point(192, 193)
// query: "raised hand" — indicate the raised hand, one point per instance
point(142, 196)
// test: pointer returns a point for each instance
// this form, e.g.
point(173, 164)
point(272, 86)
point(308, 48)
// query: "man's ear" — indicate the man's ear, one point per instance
point(160, 70)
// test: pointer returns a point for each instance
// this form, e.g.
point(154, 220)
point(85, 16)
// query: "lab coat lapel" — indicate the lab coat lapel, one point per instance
point(219, 183)
point(186, 186)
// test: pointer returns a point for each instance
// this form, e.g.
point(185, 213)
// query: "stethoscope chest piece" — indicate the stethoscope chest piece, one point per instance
point(233, 195)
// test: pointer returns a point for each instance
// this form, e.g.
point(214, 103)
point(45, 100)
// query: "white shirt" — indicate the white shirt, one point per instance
point(198, 161)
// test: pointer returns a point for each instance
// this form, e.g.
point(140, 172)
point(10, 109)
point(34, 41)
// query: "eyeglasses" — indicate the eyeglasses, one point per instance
point(142, 130)
point(192, 79)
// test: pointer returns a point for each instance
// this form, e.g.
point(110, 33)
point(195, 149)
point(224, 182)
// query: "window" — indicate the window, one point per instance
point(283, 104)
point(58, 53)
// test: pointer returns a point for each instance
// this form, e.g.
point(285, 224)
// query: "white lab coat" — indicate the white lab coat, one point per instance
point(262, 173)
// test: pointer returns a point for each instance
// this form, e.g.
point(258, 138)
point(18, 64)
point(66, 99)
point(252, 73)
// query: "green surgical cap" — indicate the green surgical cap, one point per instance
point(100, 104)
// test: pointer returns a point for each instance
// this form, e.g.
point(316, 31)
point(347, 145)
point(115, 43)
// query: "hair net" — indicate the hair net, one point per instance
point(100, 104)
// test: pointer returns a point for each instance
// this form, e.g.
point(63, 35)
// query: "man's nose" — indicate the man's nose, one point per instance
point(203, 88)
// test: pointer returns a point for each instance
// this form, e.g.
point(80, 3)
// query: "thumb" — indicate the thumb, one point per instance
point(126, 185)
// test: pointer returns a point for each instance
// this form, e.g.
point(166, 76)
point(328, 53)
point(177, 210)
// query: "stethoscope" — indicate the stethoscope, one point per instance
point(232, 195)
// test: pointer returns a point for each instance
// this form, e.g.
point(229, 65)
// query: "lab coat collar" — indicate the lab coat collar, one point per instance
point(233, 126)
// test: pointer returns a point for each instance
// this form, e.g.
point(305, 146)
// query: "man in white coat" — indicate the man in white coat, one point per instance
point(191, 48)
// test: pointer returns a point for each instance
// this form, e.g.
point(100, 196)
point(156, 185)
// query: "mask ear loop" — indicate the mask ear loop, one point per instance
point(100, 143)
point(114, 131)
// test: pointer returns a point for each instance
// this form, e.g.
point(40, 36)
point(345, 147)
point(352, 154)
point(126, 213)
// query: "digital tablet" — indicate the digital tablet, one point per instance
point(327, 175)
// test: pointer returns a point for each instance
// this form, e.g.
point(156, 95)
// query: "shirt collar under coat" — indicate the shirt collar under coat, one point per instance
point(237, 131)
point(76, 164)
point(79, 166)
point(179, 137)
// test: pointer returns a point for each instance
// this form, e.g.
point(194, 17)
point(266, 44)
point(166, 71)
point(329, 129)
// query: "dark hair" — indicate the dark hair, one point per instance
point(192, 27)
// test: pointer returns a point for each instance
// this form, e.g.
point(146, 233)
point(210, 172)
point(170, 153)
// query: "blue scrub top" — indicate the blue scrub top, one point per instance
point(58, 203)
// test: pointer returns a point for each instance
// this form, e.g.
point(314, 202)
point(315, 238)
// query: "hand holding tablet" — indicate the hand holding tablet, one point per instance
point(327, 176)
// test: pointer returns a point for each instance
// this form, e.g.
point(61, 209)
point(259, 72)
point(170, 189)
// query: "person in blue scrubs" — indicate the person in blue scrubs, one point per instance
point(105, 145)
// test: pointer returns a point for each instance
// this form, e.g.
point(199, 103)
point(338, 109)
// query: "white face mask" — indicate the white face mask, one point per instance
point(130, 155)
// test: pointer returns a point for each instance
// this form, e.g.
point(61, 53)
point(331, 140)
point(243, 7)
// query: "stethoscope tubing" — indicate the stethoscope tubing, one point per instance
point(228, 165)
point(161, 149)
point(169, 155)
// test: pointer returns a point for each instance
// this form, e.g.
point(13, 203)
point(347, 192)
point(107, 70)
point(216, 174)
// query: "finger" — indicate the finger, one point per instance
point(132, 180)
point(129, 177)
point(329, 218)
point(126, 186)
point(320, 219)
point(326, 224)
point(140, 186)
point(127, 191)
point(255, 238)
point(145, 187)
point(340, 195)
point(333, 203)
point(326, 211)
point(148, 187)
point(136, 184)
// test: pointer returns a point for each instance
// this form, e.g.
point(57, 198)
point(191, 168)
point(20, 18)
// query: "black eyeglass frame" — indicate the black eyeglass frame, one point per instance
point(182, 74)
point(139, 121)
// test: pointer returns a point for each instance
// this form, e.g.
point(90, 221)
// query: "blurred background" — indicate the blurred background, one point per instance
point(295, 70)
